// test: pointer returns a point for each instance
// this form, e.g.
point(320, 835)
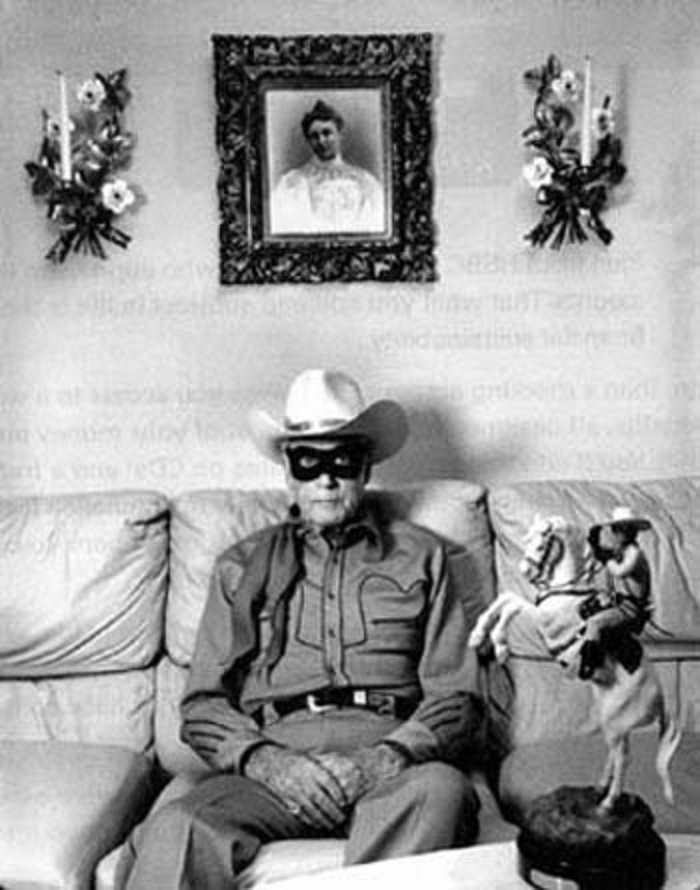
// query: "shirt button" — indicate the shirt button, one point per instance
point(331, 633)
point(331, 596)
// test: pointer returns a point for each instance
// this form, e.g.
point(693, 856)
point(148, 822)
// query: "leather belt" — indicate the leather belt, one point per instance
point(328, 699)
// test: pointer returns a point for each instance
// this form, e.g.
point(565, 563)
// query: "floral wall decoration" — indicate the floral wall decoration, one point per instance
point(575, 156)
point(79, 170)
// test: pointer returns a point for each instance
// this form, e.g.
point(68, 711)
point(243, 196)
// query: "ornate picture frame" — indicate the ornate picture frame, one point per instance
point(296, 209)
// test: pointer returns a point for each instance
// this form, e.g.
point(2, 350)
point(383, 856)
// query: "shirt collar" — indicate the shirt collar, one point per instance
point(365, 525)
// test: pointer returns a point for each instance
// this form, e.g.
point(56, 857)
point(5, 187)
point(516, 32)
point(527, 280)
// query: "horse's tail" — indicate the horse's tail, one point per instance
point(669, 738)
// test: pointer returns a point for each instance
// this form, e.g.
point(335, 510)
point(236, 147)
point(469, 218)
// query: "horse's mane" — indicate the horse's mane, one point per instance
point(573, 535)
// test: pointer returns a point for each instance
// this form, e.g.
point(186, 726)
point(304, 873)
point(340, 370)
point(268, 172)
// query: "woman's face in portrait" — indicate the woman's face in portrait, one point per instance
point(324, 139)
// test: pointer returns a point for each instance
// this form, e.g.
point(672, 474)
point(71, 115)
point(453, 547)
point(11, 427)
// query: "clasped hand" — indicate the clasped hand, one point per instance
point(321, 789)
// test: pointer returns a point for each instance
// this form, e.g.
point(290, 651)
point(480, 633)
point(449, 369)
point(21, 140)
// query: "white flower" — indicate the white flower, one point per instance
point(117, 196)
point(566, 87)
point(603, 122)
point(52, 127)
point(538, 172)
point(91, 93)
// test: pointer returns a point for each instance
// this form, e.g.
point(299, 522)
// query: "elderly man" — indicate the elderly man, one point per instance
point(326, 194)
point(331, 689)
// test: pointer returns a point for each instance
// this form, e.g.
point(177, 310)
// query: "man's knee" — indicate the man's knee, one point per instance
point(448, 797)
point(171, 818)
point(159, 845)
point(427, 807)
point(446, 786)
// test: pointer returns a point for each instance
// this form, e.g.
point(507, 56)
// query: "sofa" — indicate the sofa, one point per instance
point(101, 595)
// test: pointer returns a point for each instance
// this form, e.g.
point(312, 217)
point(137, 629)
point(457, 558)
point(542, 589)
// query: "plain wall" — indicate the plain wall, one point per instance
point(517, 363)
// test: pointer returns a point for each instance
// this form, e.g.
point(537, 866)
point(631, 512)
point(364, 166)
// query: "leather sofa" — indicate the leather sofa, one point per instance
point(100, 597)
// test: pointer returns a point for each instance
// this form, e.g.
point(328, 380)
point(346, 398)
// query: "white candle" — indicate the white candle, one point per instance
point(64, 123)
point(586, 116)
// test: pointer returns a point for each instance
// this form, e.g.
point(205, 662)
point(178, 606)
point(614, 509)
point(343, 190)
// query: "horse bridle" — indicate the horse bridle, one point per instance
point(547, 559)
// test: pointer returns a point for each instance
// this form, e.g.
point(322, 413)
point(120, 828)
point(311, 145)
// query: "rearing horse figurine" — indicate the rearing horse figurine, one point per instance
point(558, 562)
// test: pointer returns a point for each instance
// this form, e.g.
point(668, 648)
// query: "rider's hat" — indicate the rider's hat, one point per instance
point(623, 518)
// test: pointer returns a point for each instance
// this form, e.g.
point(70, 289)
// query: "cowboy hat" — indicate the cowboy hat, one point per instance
point(329, 405)
point(622, 517)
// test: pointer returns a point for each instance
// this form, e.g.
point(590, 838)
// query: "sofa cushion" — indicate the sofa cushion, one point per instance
point(82, 582)
point(532, 770)
point(282, 860)
point(63, 806)
point(114, 709)
point(205, 523)
point(173, 754)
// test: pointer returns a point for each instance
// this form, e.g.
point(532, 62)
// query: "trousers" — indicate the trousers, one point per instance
point(203, 840)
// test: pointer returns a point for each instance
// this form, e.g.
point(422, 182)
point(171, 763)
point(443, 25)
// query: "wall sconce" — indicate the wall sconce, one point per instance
point(575, 158)
point(78, 173)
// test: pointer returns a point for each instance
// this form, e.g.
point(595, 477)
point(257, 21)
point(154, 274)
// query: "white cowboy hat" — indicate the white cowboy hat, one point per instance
point(329, 404)
point(622, 517)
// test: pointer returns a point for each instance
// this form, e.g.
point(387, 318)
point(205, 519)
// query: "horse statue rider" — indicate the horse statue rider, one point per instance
point(592, 629)
point(615, 617)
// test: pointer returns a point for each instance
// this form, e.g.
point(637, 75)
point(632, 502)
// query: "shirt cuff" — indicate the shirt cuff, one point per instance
point(417, 740)
point(232, 754)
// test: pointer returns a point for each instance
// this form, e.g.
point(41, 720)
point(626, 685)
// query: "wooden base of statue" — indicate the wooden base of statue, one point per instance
point(567, 841)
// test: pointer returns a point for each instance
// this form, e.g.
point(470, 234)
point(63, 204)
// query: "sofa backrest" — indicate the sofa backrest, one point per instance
point(546, 703)
point(83, 582)
point(84, 579)
point(205, 523)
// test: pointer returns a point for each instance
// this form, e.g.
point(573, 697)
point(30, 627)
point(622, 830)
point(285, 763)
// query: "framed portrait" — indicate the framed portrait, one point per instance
point(325, 152)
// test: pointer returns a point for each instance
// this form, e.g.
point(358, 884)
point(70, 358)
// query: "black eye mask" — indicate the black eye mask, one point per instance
point(343, 462)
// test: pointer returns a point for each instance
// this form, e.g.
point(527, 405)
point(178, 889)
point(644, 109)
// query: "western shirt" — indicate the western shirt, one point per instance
point(379, 605)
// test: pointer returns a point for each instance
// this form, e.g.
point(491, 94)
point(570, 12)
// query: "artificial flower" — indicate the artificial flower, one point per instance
point(117, 196)
point(572, 197)
point(566, 87)
point(538, 172)
point(85, 207)
point(603, 121)
point(52, 126)
point(91, 94)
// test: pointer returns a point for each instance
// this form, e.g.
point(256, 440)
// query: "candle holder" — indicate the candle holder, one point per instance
point(78, 172)
point(573, 194)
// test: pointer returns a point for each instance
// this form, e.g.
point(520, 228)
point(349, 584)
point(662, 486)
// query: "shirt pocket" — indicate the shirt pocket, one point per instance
point(391, 614)
point(306, 616)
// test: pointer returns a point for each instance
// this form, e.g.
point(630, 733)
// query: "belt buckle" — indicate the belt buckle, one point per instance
point(385, 705)
point(314, 706)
